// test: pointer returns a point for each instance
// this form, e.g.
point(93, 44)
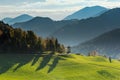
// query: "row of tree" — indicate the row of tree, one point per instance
point(17, 40)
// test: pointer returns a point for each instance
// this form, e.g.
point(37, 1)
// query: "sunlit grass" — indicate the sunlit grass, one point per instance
point(54, 67)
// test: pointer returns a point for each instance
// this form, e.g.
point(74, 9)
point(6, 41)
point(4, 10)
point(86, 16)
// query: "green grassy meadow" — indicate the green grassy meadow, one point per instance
point(57, 67)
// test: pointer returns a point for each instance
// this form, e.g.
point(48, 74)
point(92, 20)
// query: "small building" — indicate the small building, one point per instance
point(93, 53)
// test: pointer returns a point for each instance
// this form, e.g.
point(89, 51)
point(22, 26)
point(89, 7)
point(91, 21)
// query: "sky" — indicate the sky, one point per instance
point(55, 9)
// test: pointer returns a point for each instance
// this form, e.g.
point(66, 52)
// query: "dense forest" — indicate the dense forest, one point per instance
point(14, 40)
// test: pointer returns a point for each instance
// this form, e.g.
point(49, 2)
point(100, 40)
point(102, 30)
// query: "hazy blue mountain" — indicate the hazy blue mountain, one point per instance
point(43, 26)
point(107, 43)
point(87, 12)
point(21, 18)
point(87, 29)
point(6, 20)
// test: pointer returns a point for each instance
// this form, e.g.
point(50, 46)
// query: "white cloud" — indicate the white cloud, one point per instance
point(56, 9)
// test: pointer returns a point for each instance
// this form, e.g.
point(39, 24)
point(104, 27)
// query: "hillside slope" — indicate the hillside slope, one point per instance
point(107, 43)
point(71, 67)
point(89, 28)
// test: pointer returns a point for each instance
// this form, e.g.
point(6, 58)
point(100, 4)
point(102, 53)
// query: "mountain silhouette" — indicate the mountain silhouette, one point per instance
point(87, 29)
point(87, 12)
point(43, 26)
point(6, 20)
point(21, 18)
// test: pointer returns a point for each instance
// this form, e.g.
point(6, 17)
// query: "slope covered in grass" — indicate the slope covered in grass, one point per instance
point(54, 67)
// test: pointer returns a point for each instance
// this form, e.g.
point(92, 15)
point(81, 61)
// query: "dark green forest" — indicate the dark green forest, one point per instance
point(16, 40)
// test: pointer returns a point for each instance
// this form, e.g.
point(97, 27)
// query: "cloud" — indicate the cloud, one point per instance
point(113, 0)
point(56, 9)
point(69, 4)
point(17, 2)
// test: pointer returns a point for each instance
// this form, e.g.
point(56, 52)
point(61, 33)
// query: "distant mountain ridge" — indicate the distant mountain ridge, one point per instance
point(6, 20)
point(43, 26)
point(87, 12)
point(20, 18)
point(73, 32)
point(107, 43)
point(87, 29)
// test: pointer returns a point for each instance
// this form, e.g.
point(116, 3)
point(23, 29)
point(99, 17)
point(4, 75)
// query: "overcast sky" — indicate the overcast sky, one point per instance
point(55, 9)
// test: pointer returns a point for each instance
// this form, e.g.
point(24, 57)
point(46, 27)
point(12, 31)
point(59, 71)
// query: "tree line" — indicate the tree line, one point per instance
point(18, 40)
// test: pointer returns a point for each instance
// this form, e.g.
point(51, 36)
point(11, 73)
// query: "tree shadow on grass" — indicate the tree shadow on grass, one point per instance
point(23, 59)
point(36, 58)
point(7, 61)
point(54, 63)
point(45, 61)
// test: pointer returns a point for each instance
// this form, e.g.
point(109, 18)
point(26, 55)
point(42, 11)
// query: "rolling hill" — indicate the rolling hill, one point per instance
point(107, 44)
point(87, 12)
point(43, 26)
point(87, 29)
point(54, 67)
